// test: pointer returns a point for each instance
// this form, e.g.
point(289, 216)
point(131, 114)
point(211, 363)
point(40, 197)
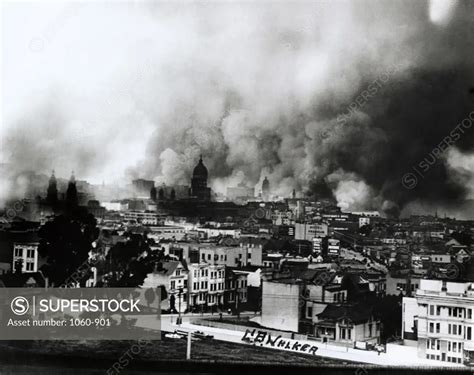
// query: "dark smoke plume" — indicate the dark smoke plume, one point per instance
point(275, 90)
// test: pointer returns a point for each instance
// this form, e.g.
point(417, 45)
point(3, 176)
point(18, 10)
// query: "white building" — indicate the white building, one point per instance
point(439, 321)
point(166, 232)
point(206, 284)
point(232, 256)
point(27, 252)
point(306, 231)
point(142, 217)
point(334, 247)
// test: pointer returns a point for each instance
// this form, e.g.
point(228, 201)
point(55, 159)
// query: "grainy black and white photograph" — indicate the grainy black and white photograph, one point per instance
point(220, 186)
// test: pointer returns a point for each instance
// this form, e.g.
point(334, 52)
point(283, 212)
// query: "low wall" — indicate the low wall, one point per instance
point(243, 328)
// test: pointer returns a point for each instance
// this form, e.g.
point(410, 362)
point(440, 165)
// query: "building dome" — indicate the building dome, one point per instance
point(200, 170)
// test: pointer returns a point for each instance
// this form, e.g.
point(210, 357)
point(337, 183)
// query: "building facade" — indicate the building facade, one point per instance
point(439, 321)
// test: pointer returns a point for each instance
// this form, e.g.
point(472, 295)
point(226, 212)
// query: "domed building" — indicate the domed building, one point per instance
point(199, 187)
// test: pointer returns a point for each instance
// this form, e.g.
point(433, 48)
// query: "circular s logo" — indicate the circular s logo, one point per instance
point(20, 305)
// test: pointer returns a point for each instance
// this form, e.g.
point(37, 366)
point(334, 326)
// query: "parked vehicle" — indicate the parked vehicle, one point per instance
point(202, 335)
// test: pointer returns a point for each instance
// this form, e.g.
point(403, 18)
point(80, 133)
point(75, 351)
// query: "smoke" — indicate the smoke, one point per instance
point(259, 89)
point(350, 191)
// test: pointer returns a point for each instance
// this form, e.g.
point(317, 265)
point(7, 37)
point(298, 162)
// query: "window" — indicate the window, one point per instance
point(468, 333)
point(18, 252)
point(173, 285)
point(438, 327)
point(431, 327)
point(469, 313)
point(309, 311)
point(30, 266)
point(30, 253)
point(208, 256)
point(370, 329)
point(432, 309)
point(178, 272)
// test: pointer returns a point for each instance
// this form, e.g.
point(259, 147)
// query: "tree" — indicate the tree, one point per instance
point(124, 261)
point(65, 243)
point(365, 230)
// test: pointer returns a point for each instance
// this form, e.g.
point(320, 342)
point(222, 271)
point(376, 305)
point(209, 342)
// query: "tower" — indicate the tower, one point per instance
point(72, 200)
point(52, 193)
point(265, 189)
point(161, 194)
point(153, 193)
point(199, 187)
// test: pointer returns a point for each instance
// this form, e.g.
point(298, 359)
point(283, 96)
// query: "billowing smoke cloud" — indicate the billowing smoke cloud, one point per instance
point(330, 97)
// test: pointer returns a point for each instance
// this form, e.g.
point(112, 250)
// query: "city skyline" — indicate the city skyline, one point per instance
point(295, 97)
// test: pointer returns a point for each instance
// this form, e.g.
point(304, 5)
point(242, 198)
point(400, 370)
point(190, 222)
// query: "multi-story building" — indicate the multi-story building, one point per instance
point(235, 288)
point(232, 256)
point(142, 217)
point(439, 321)
point(402, 283)
point(27, 253)
point(334, 247)
point(281, 304)
point(306, 231)
point(166, 232)
point(206, 284)
point(293, 303)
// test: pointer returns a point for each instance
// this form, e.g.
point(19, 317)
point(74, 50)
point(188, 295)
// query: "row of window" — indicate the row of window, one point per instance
point(218, 286)
point(217, 274)
point(456, 347)
point(30, 253)
point(453, 329)
point(454, 359)
point(437, 357)
point(453, 346)
point(205, 273)
point(433, 344)
point(173, 284)
point(453, 312)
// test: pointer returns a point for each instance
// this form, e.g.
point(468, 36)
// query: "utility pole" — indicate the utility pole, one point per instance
point(188, 346)
point(179, 305)
point(237, 296)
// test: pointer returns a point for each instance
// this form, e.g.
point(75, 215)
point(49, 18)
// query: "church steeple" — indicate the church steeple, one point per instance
point(52, 193)
point(72, 199)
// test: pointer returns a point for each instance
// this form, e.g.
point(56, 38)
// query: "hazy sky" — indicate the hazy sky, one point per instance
point(140, 88)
